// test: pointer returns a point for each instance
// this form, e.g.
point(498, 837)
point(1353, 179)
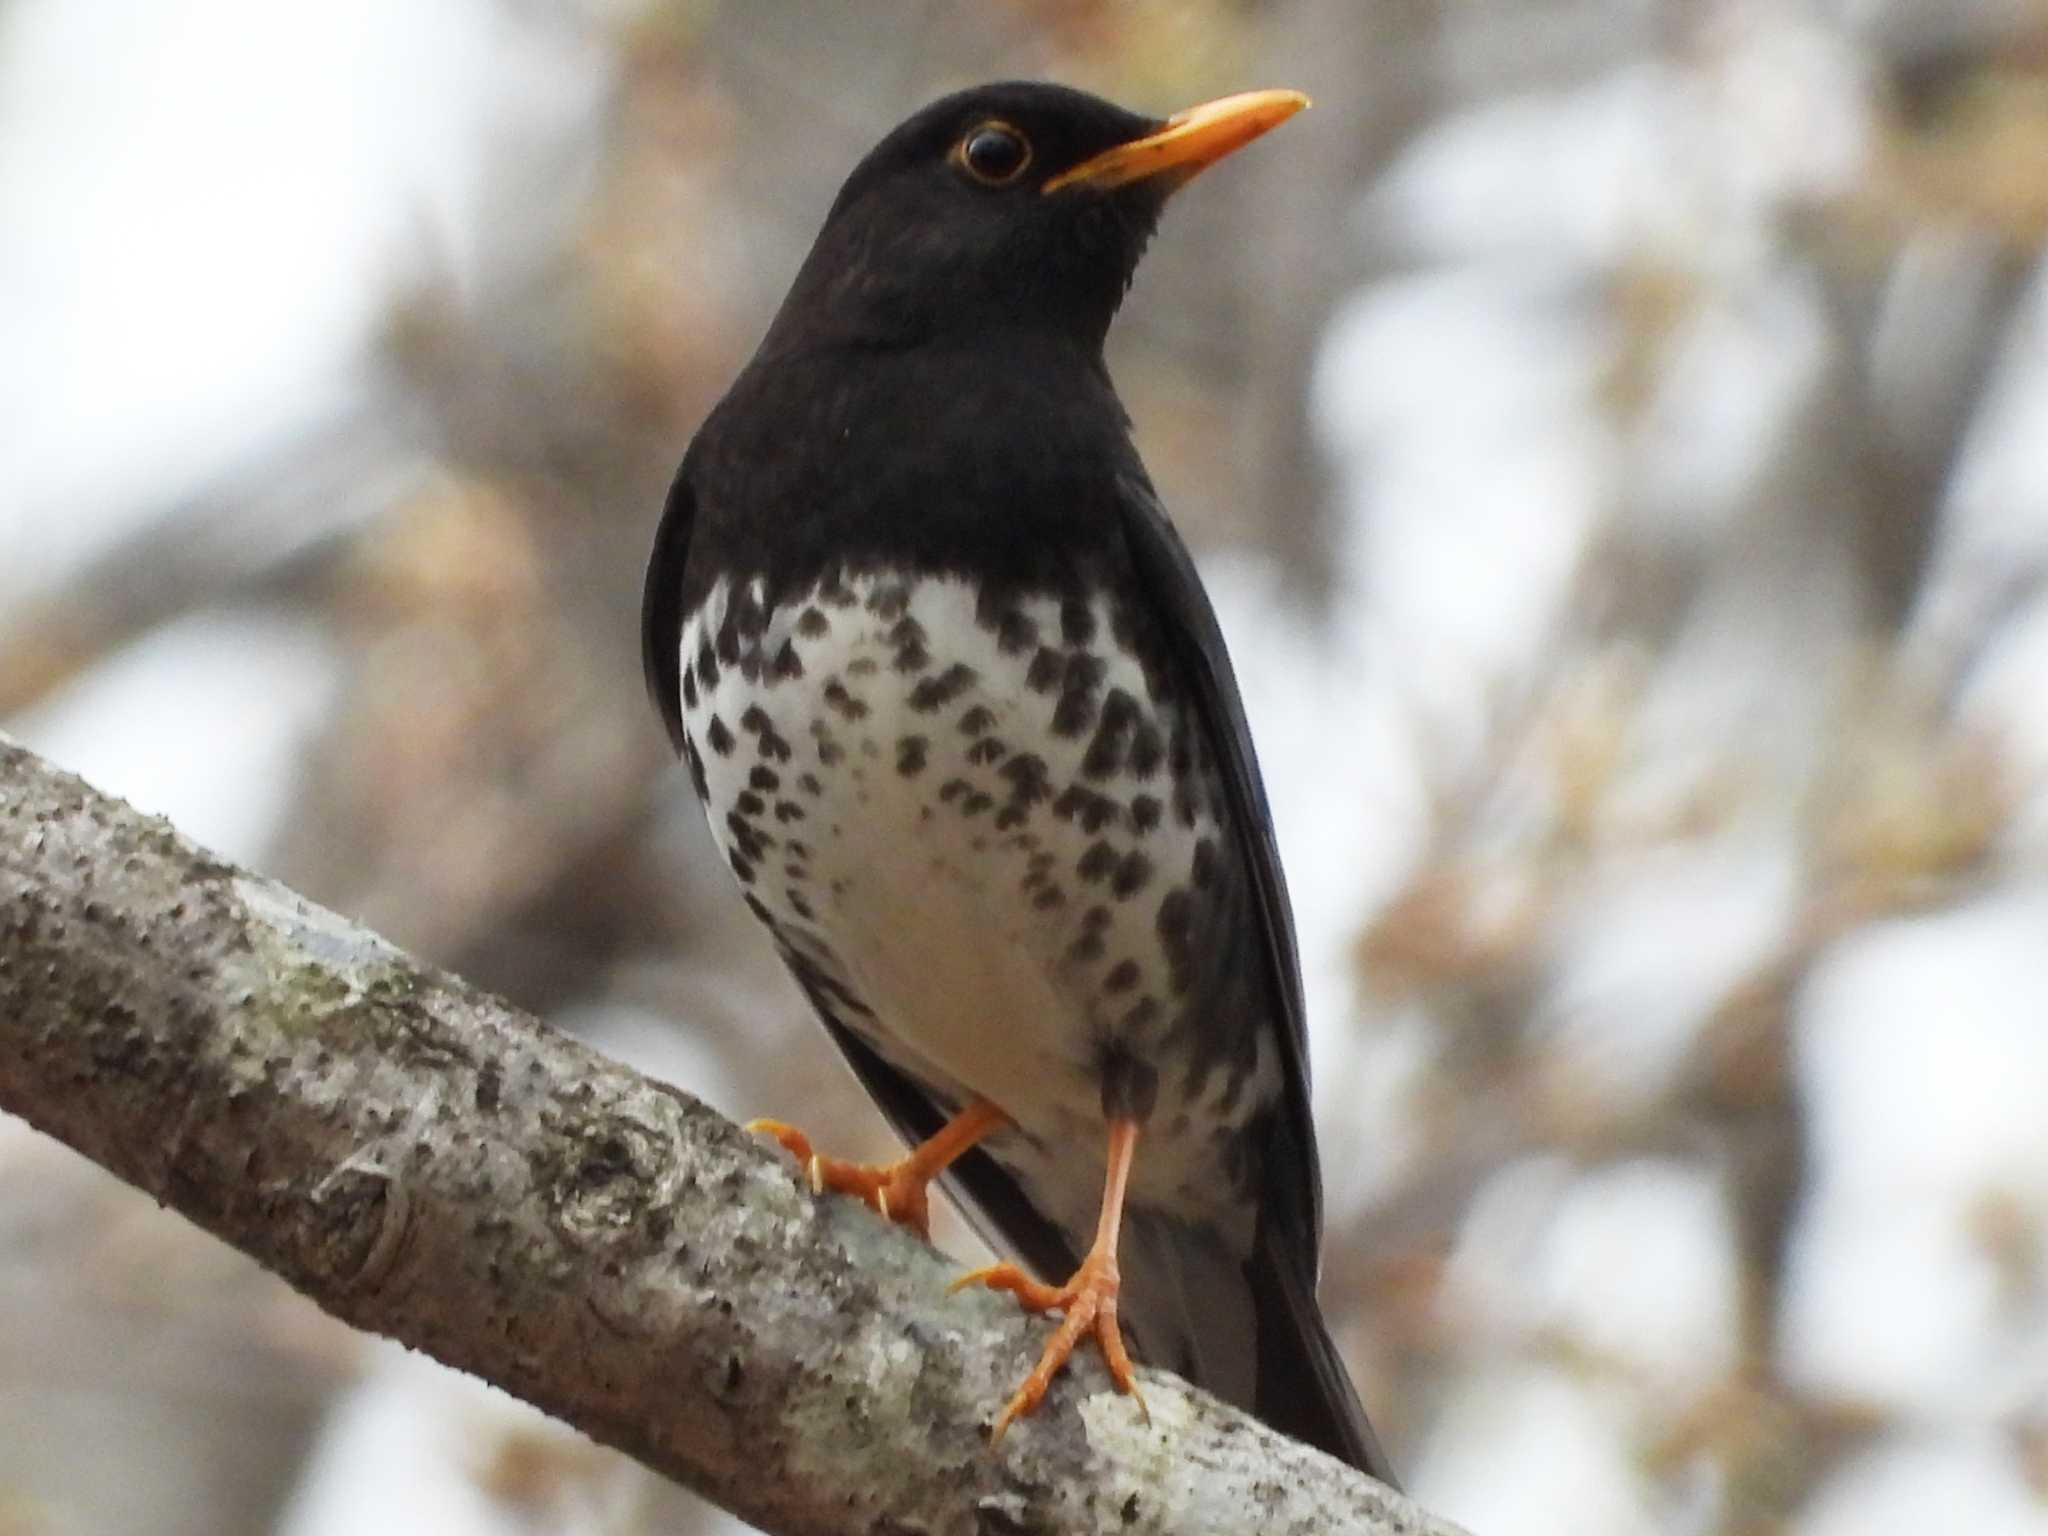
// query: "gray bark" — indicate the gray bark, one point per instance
point(426, 1162)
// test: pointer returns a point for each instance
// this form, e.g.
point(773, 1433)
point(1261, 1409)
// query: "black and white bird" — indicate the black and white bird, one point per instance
point(964, 724)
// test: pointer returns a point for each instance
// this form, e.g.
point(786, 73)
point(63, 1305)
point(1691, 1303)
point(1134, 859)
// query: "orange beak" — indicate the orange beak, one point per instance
point(1190, 140)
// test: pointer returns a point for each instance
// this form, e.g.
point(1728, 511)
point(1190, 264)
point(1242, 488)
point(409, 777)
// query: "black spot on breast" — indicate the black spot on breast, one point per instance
point(760, 910)
point(707, 665)
point(1176, 926)
point(906, 631)
point(1112, 739)
point(1146, 750)
point(1132, 871)
point(749, 803)
point(812, 623)
point(889, 601)
point(832, 588)
point(1016, 634)
point(695, 760)
point(995, 609)
point(1077, 621)
point(1080, 681)
point(975, 803)
point(763, 777)
point(773, 745)
point(1205, 864)
point(808, 783)
point(989, 749)
point(1145, 811)
point(1027, 777)
point(1090, 810)
point(787, 811)
point(719, 737)
point(741, 865)
point(1142, 1014)
point(749, 839)
point(1097, 863)
point(1049, 897)
point(953, 789)
point(1122, 976)
point(787, 663)
point(798, 905)
point(689, 688)
point(933, 693)
point(843, 703)
point(1046, 670)
point(910, 755)
point(1086, 948)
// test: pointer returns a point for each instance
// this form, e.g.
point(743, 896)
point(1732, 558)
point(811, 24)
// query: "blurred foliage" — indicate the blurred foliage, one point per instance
point(488, 786)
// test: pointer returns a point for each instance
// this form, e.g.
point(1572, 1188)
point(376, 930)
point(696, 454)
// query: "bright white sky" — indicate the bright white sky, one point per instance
point(209, 205)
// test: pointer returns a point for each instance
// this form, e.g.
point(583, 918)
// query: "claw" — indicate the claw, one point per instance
point(898, 1191)
point(1088, 1302)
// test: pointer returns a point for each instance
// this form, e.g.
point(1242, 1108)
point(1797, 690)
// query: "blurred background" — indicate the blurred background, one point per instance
point(1615, 433)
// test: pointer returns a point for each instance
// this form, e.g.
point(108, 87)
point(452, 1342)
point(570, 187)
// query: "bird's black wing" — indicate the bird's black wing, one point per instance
point(1302, 1387)
point(1180, 607)
point(661, 605)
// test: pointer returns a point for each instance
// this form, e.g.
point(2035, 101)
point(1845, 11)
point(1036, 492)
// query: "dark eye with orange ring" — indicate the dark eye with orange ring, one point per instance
point(994, 154)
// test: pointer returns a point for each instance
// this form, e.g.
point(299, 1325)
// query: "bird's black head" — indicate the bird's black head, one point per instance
point(1019, 205)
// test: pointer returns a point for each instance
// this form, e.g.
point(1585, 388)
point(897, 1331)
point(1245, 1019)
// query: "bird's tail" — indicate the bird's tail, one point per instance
point(1248, 1331)
point(1303, 1389)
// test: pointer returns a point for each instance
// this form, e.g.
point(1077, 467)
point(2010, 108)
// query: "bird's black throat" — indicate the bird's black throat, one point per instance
point(998, 458)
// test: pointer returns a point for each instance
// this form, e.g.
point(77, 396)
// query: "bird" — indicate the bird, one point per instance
point(963, 723)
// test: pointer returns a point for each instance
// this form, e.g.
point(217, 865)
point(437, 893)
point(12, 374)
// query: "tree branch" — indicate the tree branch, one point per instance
point(428, 1163)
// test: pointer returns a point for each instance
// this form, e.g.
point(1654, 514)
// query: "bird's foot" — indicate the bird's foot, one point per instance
point(1088, 1302)
point(898, 1191)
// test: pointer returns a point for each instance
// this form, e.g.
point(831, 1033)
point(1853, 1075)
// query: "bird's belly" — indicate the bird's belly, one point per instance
point(975, 833)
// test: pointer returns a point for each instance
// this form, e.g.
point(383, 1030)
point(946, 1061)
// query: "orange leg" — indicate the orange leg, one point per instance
point(899, 1190)
point(1088, 1300)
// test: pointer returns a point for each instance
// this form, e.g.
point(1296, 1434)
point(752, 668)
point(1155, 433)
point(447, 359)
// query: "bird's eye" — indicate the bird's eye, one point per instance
point(994, 154)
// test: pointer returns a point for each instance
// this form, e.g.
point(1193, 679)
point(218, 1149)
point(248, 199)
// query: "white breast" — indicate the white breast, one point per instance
point(882, 767)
